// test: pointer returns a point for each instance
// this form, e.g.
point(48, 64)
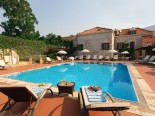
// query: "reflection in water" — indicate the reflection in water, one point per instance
point(72, 64)
point(120, 85)
point(86, 68)
point(63, 69)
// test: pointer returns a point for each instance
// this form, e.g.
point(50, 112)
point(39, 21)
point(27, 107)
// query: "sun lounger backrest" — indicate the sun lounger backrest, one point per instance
point(18, 93)
point(48, 59)
point(94, 57)
point(100, 57)
point(59, 58)
point(107, 57)
point(115, 57)
point(88, 57)
point(2, 63)
point(151, 59)
point(146, 57)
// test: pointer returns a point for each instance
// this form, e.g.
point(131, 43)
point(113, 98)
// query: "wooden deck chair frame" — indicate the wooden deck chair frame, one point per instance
point(114, 107)
point(21, 93)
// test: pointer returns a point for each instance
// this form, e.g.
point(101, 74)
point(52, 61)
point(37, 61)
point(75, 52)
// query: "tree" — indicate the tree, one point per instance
point(20, 21)
point(54, 40)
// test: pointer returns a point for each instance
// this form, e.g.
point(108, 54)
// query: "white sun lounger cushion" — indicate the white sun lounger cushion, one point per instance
point(95, 96)
point(93, 92)
point(38, 91)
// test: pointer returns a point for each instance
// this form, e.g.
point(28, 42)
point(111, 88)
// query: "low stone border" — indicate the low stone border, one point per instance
point(146, 96)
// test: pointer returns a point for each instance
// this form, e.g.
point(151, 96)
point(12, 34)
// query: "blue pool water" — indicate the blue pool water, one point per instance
point(111, 77)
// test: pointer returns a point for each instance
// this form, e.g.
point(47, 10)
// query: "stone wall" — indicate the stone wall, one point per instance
point(128, 39)
point(93, 42)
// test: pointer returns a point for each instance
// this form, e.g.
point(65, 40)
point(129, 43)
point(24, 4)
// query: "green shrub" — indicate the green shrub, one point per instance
point(24, 48)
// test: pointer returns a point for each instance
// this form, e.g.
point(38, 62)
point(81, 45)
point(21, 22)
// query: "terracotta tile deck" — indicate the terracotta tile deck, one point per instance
point(66, 106)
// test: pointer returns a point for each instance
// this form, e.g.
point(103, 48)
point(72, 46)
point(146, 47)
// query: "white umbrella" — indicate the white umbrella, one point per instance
point(153, 49)
point(125, 52)
point(85, 51)
point(113, 51)
point(62, 52)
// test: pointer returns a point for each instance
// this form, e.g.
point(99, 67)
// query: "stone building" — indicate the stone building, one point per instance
point(132, 37)
point(148, 43)
point(98, 40)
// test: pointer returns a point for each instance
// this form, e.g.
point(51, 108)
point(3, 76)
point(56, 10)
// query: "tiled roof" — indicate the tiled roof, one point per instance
point(70, 38)
point(148, 39)
point(139, 31)
point(94, 30)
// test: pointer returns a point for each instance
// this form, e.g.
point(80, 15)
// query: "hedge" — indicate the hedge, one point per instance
point(24, 48)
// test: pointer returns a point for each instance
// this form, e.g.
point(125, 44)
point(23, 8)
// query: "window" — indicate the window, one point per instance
point(120, 45)
point(74, 48)
point(132, 45)
point(105, 46)
point(131, 32)
point(80, 47)
point(140, 52)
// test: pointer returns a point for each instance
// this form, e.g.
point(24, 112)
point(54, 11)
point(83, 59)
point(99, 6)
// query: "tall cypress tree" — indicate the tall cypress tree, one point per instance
point(20, 19)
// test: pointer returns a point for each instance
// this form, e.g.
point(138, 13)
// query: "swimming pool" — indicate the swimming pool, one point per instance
point(111, 77)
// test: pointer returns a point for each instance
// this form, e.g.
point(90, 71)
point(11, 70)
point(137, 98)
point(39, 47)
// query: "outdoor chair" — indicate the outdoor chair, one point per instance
point(3, 65)
point(115, 57)
point(71, 58)
point(107, 57)
point(145, 59)
point(48, 60)
point(80, 57)
point(94, 57)
point(100, 57)
point(151, 59)
point(88, 57)
point(151, 62)
point(23, 93)
point(59, 59)
point(98, 101)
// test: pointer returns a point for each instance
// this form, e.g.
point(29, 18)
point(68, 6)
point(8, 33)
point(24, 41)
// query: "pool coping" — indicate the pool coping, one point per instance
point(146, 96)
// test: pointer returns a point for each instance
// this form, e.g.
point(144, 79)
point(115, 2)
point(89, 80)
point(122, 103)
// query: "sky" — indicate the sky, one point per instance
point(67, 17)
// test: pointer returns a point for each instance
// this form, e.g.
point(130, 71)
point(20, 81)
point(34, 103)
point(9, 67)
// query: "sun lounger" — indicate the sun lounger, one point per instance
point(100, 57)
point(115, 57)
point(23, 93)
point(151, 62)
point(80, 57)
point(151, 59)
point(94, 57)
point(71, 58)
point(107, 57)
point(145, 59)
point(48, 60)
point(3, 65)
point(88, 57)
point(59, 59)
point(98, 101)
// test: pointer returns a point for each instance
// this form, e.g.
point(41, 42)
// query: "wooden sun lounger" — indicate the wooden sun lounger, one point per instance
point(111, 105)
point(23, 93)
